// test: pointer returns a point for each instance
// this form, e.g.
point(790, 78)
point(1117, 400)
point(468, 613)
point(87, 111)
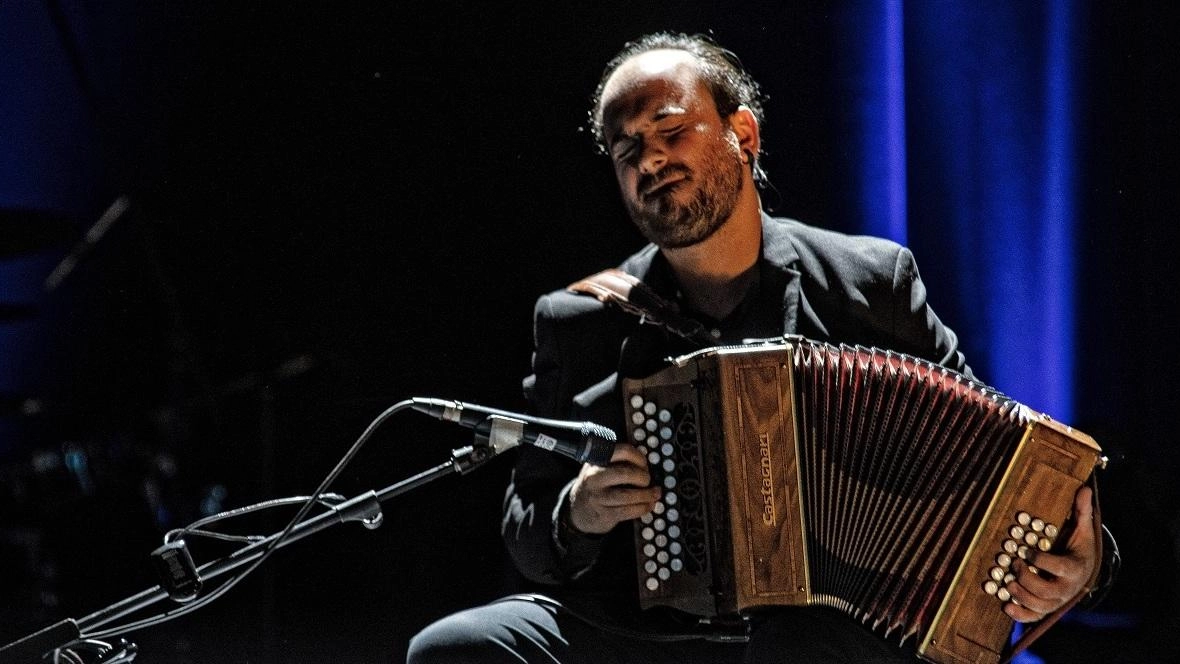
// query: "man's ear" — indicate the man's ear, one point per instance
point(745, 127)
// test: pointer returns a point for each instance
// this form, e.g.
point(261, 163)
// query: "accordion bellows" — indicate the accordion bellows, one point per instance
point(797, 472)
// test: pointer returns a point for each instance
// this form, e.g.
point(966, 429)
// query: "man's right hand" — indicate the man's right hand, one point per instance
point(603, 496)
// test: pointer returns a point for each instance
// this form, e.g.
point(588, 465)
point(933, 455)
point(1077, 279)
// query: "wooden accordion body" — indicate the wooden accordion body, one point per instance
point(796, 472)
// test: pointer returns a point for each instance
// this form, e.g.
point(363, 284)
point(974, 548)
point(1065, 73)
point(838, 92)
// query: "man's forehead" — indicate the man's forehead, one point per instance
point(651, 77)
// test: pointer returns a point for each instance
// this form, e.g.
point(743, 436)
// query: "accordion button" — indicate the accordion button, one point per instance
point(1011, 546)
point(636, 401)
point(669, 465)
point(665, 415)
point(1009, 578)
point(652, 583)
point(673, 515)
point(674, 548)
point(1050, 530)
point(659, 524)
point(664, 573)
point(639, 434)
point(669, 482)
point(653, 457)
point(674, 531)
point(650, 566)
point(671, 498)
point(1016, 532)
point(662, 557)
point(637, 417)
point(1038, 525)
point(647, 518)
point(1022, 552)
point(1045, 544)
point(1023, 518)
point(661, 540)
point(676, 564)
point(997, 573)
point(990, 587)
point(666, 449)
point(650, 408)
point(665, 433)
point(647, 533)
point(659, 508)
point(651, 425)
point(1003, 594)
point(649, 550)
point(1003, 560)
point(1031, 538)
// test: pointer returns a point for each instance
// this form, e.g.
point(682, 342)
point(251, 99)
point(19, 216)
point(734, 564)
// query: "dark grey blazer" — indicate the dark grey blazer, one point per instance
point(821, 284)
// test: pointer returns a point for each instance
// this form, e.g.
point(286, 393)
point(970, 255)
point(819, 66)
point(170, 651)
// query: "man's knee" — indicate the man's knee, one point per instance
point(502, 631)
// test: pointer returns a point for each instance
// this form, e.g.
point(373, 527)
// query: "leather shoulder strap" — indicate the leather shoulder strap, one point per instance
point(617, 288)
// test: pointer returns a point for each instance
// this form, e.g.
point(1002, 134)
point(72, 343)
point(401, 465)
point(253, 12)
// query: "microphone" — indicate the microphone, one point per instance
point(584, 442)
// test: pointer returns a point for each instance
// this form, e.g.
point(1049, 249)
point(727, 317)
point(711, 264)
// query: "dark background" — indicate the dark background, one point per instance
point(339, 206)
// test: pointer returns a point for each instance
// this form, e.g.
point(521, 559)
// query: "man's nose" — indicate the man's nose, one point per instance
point(653, 158)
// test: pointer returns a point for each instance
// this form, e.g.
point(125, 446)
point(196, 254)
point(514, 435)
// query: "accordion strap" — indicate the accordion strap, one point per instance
point(616, 287)
point(1035, 631)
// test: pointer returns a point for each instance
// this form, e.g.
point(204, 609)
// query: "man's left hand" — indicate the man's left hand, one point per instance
point(1045, 582)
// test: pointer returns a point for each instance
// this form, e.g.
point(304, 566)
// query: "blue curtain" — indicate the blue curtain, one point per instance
point(958, 123)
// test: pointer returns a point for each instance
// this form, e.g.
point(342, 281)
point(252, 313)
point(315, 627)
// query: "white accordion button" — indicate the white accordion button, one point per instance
point(650, 567)
point(649, 550)
point(674, 531)
point(997, 573)
point(673, 515)
point(649, 408)
point(637, 417)
point(1031, 538)
point(674, 548)
point(659, 508)
point(666, 449)
point(665, 433)
point(647, 533)
point(1016, 532)
point(676, 564)
point(1004, 560)
point(1038, 525)
point(661, 540)
point(1023, 518)
point(1050, 530)
point(636, 401)
point(1010, 546)
point(1045, 544)
point(652, 583)
point(669, 465)
point(647, 518)
point(669, 483)
point(665, 416)
point(671, 498)
point(639, 434)
point(664, 573)
point(990, 587)
point(1003, 594)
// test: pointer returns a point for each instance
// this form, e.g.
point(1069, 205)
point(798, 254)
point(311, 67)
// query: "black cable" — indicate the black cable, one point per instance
point(274, 544)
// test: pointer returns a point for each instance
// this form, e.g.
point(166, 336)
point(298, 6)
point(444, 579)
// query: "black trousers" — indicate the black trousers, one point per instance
point(537, 630)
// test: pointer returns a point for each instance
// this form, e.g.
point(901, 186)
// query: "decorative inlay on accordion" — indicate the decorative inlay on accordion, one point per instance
point(896, 490)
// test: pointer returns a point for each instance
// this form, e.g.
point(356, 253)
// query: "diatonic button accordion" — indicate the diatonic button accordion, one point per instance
point(797, 472)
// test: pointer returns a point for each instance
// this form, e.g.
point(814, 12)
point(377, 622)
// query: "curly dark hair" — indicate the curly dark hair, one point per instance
point(728, 81)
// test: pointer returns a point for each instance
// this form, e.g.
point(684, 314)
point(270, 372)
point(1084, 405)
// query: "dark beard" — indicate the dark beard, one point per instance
point(672, 225)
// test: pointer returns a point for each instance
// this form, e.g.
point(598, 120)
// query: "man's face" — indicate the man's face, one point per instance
point(677, 161)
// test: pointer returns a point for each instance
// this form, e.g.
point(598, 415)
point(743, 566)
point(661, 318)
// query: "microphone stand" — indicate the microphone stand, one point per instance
point(364, 508)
